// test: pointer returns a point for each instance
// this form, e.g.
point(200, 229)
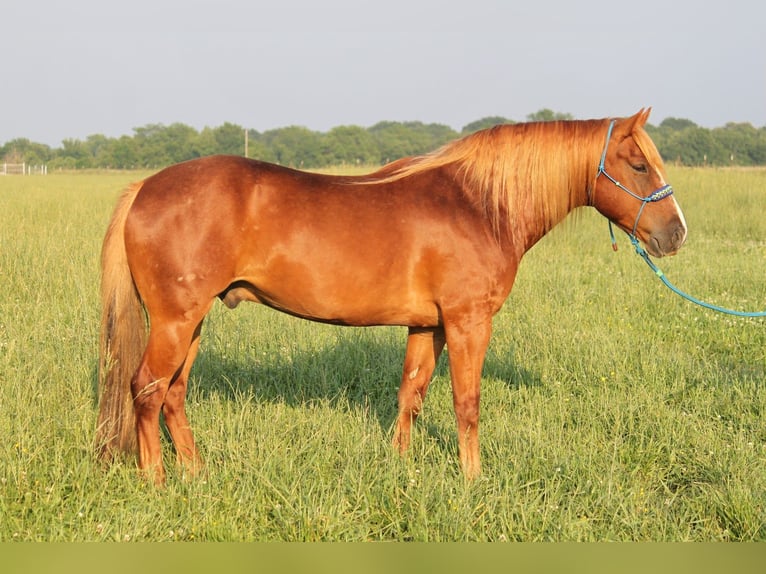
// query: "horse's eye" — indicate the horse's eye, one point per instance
point(639, 167)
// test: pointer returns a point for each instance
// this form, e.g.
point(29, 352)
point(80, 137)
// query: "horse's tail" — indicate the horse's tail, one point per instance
point(123, 338)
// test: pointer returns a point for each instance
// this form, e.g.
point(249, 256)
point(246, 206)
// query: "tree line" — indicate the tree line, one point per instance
point(680, 141)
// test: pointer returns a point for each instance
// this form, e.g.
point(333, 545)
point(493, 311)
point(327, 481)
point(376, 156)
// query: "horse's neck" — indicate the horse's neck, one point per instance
point(531, 216)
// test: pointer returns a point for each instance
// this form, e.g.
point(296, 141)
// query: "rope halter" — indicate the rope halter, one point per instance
point(656, 195)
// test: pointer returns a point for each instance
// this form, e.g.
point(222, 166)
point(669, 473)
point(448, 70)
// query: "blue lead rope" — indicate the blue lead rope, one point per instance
point(658, 272)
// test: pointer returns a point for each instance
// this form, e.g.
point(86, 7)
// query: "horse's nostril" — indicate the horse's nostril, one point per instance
point(679, 236)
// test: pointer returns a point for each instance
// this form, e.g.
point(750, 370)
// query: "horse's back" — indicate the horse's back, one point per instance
point(323, 247)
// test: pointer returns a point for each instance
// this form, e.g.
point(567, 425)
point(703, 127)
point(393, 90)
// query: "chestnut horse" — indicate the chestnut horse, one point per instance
point(430, 242)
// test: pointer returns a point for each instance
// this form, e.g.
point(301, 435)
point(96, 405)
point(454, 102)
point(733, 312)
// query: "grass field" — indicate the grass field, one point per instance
point(611, 409)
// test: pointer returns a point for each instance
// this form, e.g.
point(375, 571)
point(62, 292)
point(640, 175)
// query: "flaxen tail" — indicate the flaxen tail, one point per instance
point(123, 338)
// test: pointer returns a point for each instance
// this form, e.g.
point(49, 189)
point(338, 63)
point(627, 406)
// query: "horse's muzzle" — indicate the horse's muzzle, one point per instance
point(667, 243)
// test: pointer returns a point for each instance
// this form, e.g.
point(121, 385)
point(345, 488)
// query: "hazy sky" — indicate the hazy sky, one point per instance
point(78, 67)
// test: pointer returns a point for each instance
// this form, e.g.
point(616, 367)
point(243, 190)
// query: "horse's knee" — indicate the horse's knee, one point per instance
point(467, 409)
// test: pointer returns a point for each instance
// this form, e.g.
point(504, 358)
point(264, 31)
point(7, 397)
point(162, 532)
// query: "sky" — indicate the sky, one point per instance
point(79, 67)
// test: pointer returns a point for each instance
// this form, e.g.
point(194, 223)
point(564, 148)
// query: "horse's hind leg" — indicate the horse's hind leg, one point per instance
point(164, 360)
point(423, 349)
point(174, 411)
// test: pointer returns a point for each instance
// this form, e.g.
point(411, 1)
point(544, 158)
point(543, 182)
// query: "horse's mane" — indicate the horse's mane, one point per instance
point(542, 168)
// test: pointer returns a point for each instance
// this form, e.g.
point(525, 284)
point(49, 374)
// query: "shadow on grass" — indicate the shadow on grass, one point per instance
point(499, 365)
point(355, 370)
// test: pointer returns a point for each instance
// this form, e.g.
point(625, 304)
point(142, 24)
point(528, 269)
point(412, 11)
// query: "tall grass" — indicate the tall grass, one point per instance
point(611, 409)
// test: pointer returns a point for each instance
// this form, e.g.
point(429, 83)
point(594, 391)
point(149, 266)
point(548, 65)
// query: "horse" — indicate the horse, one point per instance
point(431, 243)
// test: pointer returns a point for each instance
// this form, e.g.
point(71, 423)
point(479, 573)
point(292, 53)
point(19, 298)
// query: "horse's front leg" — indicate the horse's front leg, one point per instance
point(467, 341)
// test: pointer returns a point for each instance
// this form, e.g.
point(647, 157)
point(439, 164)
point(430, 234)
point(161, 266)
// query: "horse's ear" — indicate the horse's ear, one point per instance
point(635, 121)
point(643, 116)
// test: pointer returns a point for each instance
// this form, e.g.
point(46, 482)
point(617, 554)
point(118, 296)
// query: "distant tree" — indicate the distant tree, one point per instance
point(439, 134)
point(22, 150)
point(178, 140)
point(230, 139)
point(98, 147)
point(226, 139)
point(349, 145)
point(485, 123)
point(293, 146)
point(150, 146)
point(205, 143)
point(13, 155)
point(677, 124)
point(156, 145)
point(73, 154)
point(159, 145)
point(742, 142)
point(392, 140)
point(123, 153)
point(548, 115)
point(683, 142)
point(758, 152)
point(255, 146)
point(694, 146)
point(401, 139)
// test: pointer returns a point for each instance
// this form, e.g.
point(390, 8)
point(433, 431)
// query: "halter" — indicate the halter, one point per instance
point(656, 195)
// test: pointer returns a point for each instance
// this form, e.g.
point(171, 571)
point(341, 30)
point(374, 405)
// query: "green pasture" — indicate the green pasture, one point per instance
point(611, 409)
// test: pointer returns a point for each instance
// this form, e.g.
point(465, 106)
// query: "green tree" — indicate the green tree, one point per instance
point(758, 153)
point(548, 115)
point(694, 146)
point(255, 146)
point(740, 141)
point(73, 154)
point(22, 150)
point(150, 150)
point(293, 146)
point(205, 143)
point(439, 134)
point(349, 145)
point(226, 139)
point(677, 124)
point(229, 139)
point(159, 145)
point(99, 150)
point(124, 154)
point(485, 123)
point(401, 139)
point(156, 145)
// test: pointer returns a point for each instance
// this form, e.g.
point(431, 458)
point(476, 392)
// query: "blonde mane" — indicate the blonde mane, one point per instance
point(537, 170)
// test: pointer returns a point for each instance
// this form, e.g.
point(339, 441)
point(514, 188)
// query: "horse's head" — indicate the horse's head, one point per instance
point(631, 191)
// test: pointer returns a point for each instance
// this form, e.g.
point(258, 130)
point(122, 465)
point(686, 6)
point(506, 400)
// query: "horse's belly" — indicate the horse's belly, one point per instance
point(344, 301)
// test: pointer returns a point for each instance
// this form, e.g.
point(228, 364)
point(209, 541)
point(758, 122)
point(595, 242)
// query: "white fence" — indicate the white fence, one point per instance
point(23, 169)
